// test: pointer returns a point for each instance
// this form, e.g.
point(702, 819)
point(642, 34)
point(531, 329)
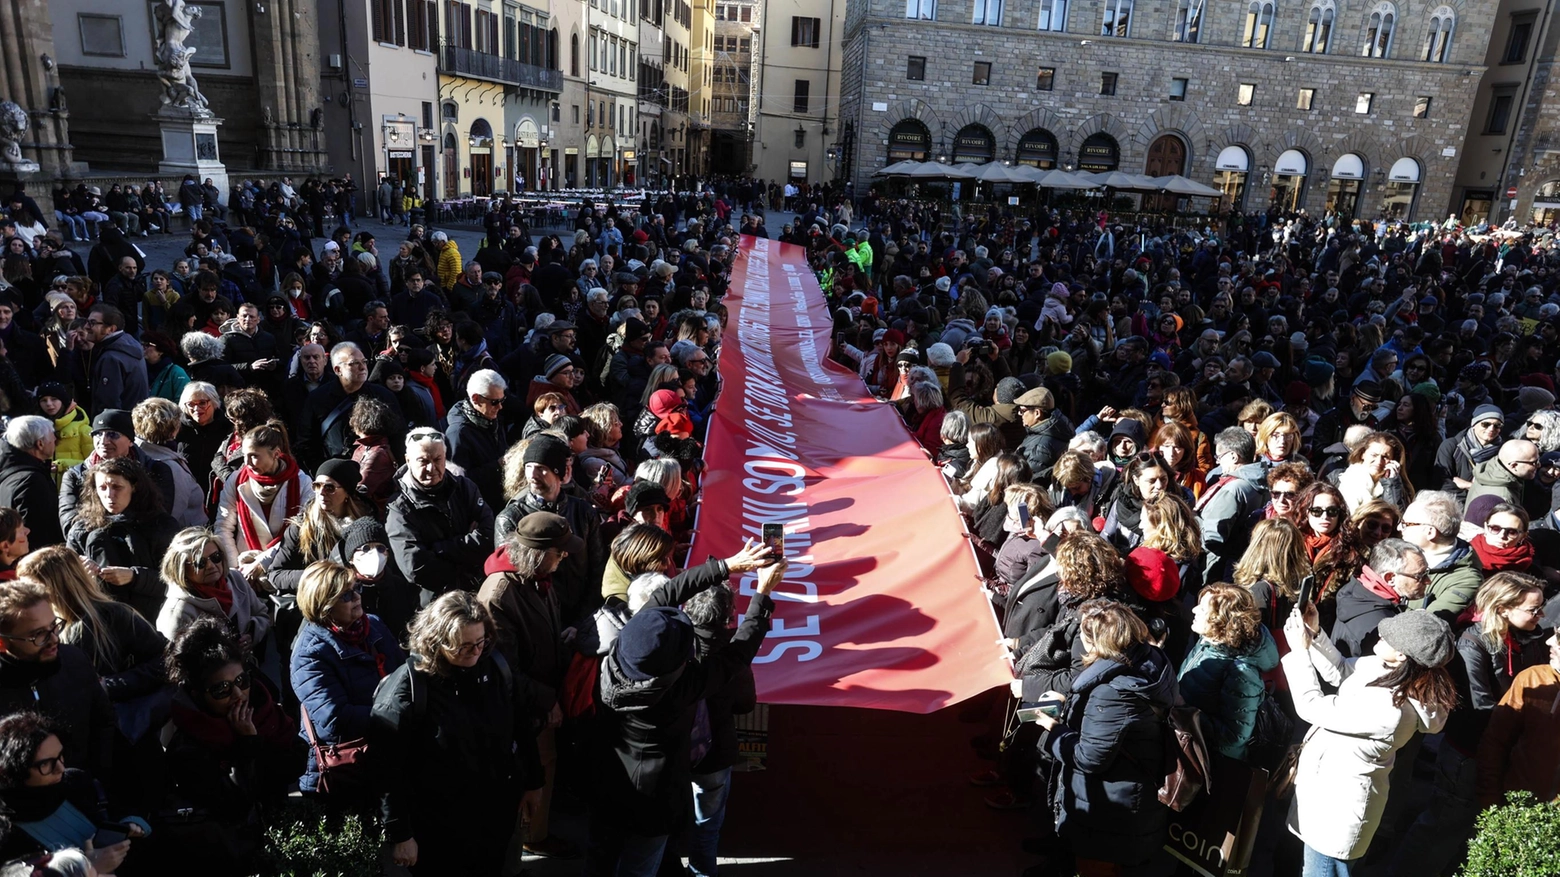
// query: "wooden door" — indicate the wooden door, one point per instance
point(1166, 156)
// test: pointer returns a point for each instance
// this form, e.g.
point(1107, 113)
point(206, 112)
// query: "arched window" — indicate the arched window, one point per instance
point(1438, 37)
point(1318, 27)
point(574, 54)
point(1378, 31)
point(552, 50)
point(1188, 21)
point(1259, 24)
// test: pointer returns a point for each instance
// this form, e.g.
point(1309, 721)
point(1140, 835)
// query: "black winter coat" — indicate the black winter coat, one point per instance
point(27, 485)
point(1360, 611)
point(66, 689)
point(139, 545)
point(1044, 443)
point(440, 538)
point(1111, 750)
point(578, 579)
point(138, 670)
point(643, 774)
point(477, 446)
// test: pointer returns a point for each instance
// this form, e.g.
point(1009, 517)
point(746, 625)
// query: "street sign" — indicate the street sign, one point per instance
point(1511, 192)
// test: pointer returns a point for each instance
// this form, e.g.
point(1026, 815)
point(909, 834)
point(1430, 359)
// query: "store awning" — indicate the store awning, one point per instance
point(1233, 158)
point(1404, 170)
point(1348, 167)
point(1291, 163)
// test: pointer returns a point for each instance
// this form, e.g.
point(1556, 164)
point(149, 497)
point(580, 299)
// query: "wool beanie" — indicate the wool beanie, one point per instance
point(361, 532)
point(657, 641)
point(549, 451)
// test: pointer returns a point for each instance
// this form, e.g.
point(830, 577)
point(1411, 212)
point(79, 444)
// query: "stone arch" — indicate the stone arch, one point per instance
point(1177, 118)
point(1359, 143)
point(909, 108)
point(980, 114)
point(1266, 148)
point(1040, 117)
point(1100, 123)
point(1189, 151)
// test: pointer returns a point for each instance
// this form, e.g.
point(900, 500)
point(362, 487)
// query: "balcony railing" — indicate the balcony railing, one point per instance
point(480, 65)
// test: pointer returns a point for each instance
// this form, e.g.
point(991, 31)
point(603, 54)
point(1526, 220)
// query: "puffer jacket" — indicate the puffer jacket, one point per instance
point(642, 780)
point(1343, 779)
point(1360, 612)
point(335, 682)
point(1227, 686)
point(1056, 657)
point(1492, 477)
point(188, 503)
point(1111, 750)
point(74, 429)
point(118, 374)
point(477, 446)
point(1044, 443)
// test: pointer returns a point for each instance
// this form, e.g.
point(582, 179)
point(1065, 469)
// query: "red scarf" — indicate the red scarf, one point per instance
point(219, 592)
point(676, 423)
point(289, 477)
point(1517, 557)
point(438, 400)
point(1316, 544)
point(1377, 585)
point(356, 635)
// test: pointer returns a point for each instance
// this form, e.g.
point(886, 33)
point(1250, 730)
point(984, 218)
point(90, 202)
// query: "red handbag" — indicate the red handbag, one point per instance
point(577, 697)
point(341, 766)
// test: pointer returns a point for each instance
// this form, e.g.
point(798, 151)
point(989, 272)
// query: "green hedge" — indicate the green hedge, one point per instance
point(1520, 838)
point(306, 841)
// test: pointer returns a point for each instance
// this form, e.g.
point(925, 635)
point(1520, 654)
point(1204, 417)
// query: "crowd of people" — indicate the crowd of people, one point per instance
point(406, 532)
point(1318, 504)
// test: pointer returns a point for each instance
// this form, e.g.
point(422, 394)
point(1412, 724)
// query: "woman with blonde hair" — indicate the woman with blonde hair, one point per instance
point(1376, 472)
point(1180, 406)
point(604, 432)
point(1279, 438)
point(200, 584)
point(1376, 520)
point(459, 758)
point(1109, 744)
point(338, 658)
point(1273, 567)
point(1222, 675)
point(1179, 448)
point(124, 648)
point(662, 377)
point(1170, 525)
point(1251, 417)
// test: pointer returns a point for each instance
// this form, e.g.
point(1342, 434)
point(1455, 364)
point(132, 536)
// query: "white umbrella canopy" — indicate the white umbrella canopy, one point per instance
point(997, 172)
point(1059, 179)
point(1176, 184)
point(963, 170)
point(898, 169)
point(1120, 180)
point(932, 170)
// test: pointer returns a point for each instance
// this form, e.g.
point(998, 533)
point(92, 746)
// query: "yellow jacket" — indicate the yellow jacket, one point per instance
point(450, 265)
point(75, 442)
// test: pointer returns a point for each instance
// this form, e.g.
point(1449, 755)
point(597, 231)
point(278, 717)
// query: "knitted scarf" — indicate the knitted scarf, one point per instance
point(1315, 544)
point(219, 592)
point(287, 478)
point(356, 635)
point(1516, 557)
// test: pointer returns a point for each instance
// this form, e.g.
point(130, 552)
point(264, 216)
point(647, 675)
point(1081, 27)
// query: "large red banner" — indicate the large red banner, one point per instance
point(881, 606)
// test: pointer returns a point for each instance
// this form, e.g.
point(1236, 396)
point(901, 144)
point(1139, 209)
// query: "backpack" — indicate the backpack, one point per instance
point(1188, 767)
point(1270, 735)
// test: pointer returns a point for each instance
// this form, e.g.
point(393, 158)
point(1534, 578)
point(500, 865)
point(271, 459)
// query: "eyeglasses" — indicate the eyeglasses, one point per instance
point(109, 434)
point(350, 595)
point(40, 638)
point(1283, 495)
point(49, 766)
point(356, 364)
point(326, 486)
point(425, 434)
point(1330, 511)
point(1404, 525)
point(488, 400)
point(466, 650)
point(1497, 530)
point(213, 559)
point(224, 690)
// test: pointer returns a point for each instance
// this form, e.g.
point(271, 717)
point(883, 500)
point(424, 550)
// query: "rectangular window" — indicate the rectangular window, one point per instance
point(988, 12)
point(480, 41)
point(982, 75)
point(744, 45)
point(801, 139)
point(803, 89)
point(1108, 83)
point(747, 13)
point(427, 108)
point(1178, 88)
point(1517, 40)
point(1053, 15)
point(1500, 112)
point(804, 31)
point(1188, 21)
point(915, 69)
point(1046, 79)
point(1244, 93)
point(103, 36)
point(1422, 107)
point(1363, 102)
point(925, 10)
point(1303, 102)
point(576, 109)
point(1118, 19)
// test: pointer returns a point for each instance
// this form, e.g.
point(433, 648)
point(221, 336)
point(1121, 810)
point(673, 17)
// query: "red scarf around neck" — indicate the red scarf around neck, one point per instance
point(288, 476)
point(219, 592)
point(433, 388)
point(1517, 557)
point(1315, 544)
point(1377, 585)
point(356, 635)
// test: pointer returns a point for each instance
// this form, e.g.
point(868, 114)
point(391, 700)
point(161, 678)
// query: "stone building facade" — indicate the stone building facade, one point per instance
point(1355, 105)
point(735, 24)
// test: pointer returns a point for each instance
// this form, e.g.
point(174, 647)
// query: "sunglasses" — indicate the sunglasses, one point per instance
point(212, 559)
point(224, 690)
point(1330, 511)
point(1497, 530)
point(350, 595)
point(1283, 494)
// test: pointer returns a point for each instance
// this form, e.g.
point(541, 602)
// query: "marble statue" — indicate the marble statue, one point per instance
point(13, 126)
point(175, 23)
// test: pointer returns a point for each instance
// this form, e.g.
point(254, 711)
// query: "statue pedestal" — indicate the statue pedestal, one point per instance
point(189, 143)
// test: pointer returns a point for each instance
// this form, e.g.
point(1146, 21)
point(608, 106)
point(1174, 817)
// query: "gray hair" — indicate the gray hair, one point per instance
point(1381, 355)
point(1355, 435)
point(1548, 421)
point(200, 388)
point(367, 260)
point(682, 350)
point(473, 264)
point(484, 380)
point(598, 294)
point(587, 263)
point(1391, 555)
point(1440, 510)
point(663, 471)
point(955, 428)
point(1235, 440)
point(419, 437)
point(1088, 441)
point(25, 432)
point(343, 349)
point(200, 347)
point(927, 395)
